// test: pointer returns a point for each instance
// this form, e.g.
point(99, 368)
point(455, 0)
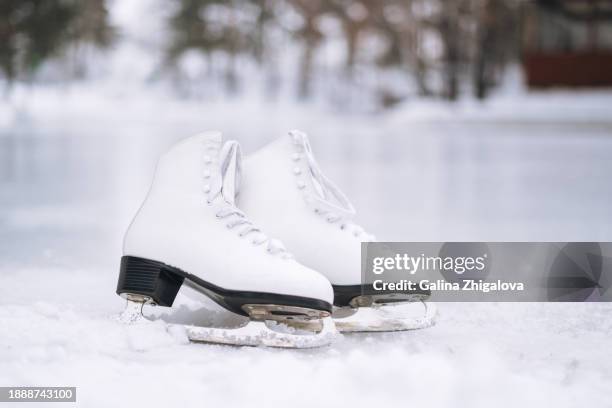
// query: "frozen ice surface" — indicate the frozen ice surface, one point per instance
point(71, 176)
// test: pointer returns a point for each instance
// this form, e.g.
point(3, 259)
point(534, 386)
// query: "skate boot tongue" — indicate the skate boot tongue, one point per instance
point(226, 184)
point(230, 160)
point(328, 199)
point(327, 194)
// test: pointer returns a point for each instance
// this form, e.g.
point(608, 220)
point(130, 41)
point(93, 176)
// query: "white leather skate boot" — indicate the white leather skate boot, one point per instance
point(285, 191)
point(189, 230)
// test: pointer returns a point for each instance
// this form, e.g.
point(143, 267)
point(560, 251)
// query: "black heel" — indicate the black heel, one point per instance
point(139, 276)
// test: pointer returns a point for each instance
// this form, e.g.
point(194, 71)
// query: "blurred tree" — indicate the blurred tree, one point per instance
point(413, 28)
point(190, 30)
point(355, 17)
point(443, 45)
point(310, 35)
point(209, 26)
point(31, 31)
point(497, 40)
point(265, 16)
point(478, 37)
point(453, 37)
point(404, 30)
point(266, 23)
point(90, 27)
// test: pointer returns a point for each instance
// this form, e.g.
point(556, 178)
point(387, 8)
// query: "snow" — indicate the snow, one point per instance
point(478, 355)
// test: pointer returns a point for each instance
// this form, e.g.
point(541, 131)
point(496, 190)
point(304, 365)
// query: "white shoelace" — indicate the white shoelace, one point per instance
point(226, 186)
point(341, 211)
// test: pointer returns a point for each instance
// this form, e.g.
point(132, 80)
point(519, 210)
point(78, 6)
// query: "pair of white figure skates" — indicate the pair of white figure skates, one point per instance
point(199, 226)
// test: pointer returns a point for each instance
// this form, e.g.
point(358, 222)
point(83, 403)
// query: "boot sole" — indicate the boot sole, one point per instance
point(159, 283)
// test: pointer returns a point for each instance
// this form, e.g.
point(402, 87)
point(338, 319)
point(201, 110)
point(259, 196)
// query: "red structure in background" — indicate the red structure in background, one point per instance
point(568, 43)
point(568, 69)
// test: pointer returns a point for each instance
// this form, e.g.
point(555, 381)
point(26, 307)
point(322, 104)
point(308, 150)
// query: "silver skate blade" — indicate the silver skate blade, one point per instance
point(283, 313)
point(391, 317)
point(291, 334)
point(257, 333)
point(386, 298)
point(133, 310)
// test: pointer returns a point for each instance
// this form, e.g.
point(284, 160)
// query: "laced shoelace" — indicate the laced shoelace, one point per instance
point(346, 225)
point(341, 211)
point(225, 187)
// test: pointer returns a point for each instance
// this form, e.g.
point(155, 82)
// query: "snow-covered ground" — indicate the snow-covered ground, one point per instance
point(74, 167)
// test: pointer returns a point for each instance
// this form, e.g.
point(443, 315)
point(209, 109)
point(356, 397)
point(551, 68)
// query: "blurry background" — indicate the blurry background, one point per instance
point(442, 120)
point(471, 119)
point(358, 53)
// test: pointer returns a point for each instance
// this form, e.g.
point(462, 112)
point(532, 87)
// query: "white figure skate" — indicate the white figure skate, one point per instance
point(285, 191)
point(188, 230)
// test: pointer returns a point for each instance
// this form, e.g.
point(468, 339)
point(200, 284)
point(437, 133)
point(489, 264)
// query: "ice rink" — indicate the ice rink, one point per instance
point(70, 182)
